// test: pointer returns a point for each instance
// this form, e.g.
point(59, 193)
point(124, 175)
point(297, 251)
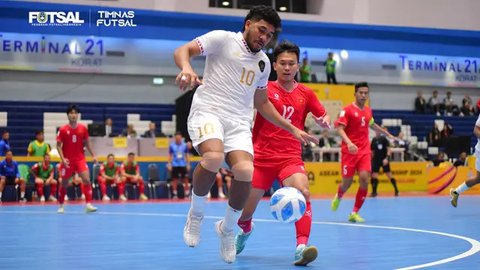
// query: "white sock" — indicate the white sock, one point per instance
point(231, 219)
point(460, 189)
point(22, 194)
point(198, 204)
point(0, 195)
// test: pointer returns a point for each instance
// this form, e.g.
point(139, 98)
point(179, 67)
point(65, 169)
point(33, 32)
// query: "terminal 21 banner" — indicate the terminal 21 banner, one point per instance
point(97, 54)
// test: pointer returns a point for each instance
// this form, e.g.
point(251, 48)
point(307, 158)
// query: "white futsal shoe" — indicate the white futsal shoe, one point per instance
point(227, 243)
point(191, 231)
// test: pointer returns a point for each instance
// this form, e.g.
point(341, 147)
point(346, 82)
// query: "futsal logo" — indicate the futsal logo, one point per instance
point(116, 18)
point(54, 18)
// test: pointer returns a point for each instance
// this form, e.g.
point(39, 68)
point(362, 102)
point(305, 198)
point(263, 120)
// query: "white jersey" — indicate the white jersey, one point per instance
point(232, 74)
point(477, 146)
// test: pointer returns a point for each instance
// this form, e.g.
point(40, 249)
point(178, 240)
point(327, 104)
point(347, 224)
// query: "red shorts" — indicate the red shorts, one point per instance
point(265, 172)
point(130, 179)
point(355, 163)
point(76, 166)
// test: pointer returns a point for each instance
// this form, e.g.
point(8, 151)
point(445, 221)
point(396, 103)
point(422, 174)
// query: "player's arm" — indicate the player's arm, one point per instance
point(60, 153)
point(123, 172)
point(187, 159)
point(319, 113)
point(352, 148)
point(50, 177)
point(29, 150)
point(378, 128)
point(33, 170)
point(170, 158)
point(137, 171)
point(89, 148)
point(476, 131)
point(186, 77)
point(268, 111)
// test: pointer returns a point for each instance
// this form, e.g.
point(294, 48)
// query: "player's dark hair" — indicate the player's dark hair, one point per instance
point(6, 152)
point(268, 14)
point(4, 131)
point(178, 133)
point(110, 155)
point(286, 46)
point(38, 132)
point(131, 154)
point(361, 84)
point(46, 154)
point(72, 107)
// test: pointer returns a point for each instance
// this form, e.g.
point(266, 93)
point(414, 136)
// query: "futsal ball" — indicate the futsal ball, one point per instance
point(287, 204)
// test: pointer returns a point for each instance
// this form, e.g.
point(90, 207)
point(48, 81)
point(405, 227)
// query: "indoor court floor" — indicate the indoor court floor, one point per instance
point(400, 233)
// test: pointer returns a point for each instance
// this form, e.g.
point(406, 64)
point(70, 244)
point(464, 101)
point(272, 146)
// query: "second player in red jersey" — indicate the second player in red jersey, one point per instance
point(71, 139)
point(278, 155)
point(353, 126)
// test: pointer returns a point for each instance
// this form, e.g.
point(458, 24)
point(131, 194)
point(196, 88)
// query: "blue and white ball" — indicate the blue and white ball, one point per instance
point(287, 204)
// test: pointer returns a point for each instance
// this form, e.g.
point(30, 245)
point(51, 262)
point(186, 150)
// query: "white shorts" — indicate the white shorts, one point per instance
point(235, 134)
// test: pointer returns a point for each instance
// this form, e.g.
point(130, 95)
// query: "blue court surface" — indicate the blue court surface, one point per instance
point(400, 233)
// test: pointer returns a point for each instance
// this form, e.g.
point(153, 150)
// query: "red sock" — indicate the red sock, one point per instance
point(61, 194)
point(88, 193)
point(121, 189)
point(53, 189)
point(141, 186)
point(340, 192)
point(40, 190)
point(303, 226)
point(245, 225)
point(360, 198)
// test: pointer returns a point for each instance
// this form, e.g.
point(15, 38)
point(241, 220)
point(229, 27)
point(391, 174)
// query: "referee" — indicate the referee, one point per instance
point(381, 153)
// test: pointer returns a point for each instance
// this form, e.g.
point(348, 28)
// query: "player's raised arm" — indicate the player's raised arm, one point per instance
point(187, 77)
point(268, 111)
point(378, 128)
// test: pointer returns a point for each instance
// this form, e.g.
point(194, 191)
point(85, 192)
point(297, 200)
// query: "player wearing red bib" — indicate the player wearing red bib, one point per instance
point(71, 139)
point(278, 155)
point(353, 126)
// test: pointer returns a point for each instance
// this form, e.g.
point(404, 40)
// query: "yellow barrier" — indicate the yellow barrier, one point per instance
point(325, 177)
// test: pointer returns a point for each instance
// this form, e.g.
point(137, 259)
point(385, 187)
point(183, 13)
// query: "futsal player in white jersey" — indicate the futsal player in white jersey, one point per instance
point(234, 82)
point(455, 193)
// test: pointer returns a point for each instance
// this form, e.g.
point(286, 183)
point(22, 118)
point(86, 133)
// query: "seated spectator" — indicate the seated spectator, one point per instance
point(152, 132)
point(327, 141)
point(462, 158)
point(449, 104)
point(130, 172)
point(109, 174)
point(305, 71)
point(4, 144)
point(224, 175)
point(38, 147)
point(307, 153)
point(420, 103)
point(109, 128)
point(467, 107)
point(10, 175)
point(43, 173)
point(129, 132)
point(74, 181)
point(439, 159)
point(466, 99)
point(434, 103)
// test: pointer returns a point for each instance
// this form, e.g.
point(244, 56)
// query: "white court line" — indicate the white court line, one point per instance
point(474, 249)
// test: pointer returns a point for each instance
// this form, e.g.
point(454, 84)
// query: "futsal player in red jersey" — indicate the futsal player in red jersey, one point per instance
point(278, 155)
point(353, 126)
point(71, 139)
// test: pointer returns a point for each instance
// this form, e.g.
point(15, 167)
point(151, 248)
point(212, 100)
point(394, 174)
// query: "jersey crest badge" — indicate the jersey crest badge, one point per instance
point(261, 65)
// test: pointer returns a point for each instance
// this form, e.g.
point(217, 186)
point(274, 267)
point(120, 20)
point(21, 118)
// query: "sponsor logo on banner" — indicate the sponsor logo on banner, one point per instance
point(55, 18)
point(116, 18)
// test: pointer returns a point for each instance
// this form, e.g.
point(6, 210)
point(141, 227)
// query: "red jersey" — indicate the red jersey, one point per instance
point(270, 140)
point(73, 141)
point(356, 122)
